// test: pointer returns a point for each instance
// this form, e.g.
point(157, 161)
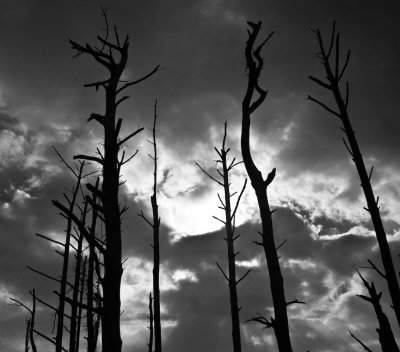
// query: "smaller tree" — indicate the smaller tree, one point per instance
point(334, 74)
point(229, 223)
point(155, 318)
point(385, 333)
point(65, 285)
point(30, 323)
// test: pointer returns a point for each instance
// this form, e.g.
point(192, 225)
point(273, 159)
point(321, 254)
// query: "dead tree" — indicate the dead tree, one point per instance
point(112, 56)
point(63, 280)
point(80, 306)
point(385, 333)
point(30, 323)
point(230, 234)
point(64, 275)
point(254, 66)
point(334, 77)
point(155, 225)
point(75, 306)
point(90, 315)
point(151, 324)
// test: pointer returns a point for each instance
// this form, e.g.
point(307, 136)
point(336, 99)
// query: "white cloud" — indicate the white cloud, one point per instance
point(253, 263)
point(12, 148)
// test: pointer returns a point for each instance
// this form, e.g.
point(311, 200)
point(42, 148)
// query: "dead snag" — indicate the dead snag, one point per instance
point(334, 77)
point(230, 234)
point(155, 225)
point(254, 66)
point(113, 56)
point(385, 333)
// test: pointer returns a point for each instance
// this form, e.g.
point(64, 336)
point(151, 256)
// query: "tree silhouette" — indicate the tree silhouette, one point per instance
point(155, 314)
point(385, 333)
point(76, 302)
point(92, 262)
point(230, 234)
point(60, 310)
point(254, 66)
point(30, 323)
point(334, 76)
point(113, 56)
point(151, 324)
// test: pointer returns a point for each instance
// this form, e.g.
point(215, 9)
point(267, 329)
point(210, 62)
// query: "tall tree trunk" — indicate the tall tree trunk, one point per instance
point(334, 77)
point(106, 55)
point(79, 316)
point(230, 235)
point(156, 248)
point(111, 334)
point(155, 225)
point(64, 275)
point(151, 324)
point(254, 66)
point(232, 282)
point(91, 341)
point(75, 293)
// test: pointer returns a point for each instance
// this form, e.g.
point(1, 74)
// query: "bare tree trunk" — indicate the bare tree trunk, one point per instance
point(155, 224)
point(385, 333)
point(91, 341)
point(81, 294)
point(64, 275)
point(230, 236)
point(334, 77)
point(156, 248)
point(111, 166)
point(75, 293)
point(32, 324)
point(231, 257)
point(254, 64)
point(28, 327)
point(112, 259)
point(151, 324)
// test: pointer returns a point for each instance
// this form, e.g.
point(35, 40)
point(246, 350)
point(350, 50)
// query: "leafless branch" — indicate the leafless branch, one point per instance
point(238, 200)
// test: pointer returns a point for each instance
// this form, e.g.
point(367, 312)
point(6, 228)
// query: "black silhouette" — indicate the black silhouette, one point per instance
point(63, 281)
point(254, 66)
point(230, 234)
point(155, 319)
point(91, 316)
point(151, 324)
point(386, 337)
point(334, 77)
point(30, 323)
point(113, 56)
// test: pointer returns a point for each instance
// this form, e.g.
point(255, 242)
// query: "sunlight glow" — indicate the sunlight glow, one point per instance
point(253, 263)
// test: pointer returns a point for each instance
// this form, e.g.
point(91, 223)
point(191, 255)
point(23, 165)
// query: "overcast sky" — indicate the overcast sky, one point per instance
point(200, 45)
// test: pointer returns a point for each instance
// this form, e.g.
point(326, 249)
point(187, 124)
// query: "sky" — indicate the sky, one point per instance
point(200, 46)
